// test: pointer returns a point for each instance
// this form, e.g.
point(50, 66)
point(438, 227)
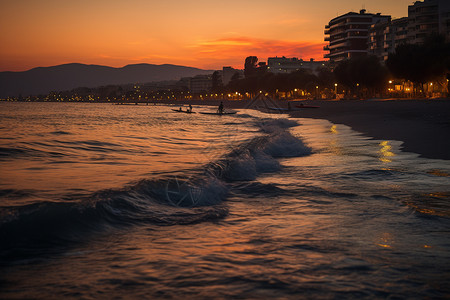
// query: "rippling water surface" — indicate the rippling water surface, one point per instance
point(104, 201)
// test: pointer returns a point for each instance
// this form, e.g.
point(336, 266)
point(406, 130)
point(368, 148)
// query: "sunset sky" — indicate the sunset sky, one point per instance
point(198, 33)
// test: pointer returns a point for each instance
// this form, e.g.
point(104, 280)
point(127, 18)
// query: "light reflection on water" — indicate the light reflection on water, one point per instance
point(95, 147)
point(349, 220)
point(385, 152)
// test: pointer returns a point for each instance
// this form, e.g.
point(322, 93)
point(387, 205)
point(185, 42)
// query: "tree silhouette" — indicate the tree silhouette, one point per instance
point(421, 63)
point(364, 72)
point(250, 66)
point(326, 77)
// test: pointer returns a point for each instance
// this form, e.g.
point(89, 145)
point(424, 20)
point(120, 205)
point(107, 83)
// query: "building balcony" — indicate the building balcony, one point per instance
point(363, 37)
point(341, 23)
point(337, 32)
point(338, 45)
point(326, 48)
point(327, 39)
point(357, 29)
point(337, 53)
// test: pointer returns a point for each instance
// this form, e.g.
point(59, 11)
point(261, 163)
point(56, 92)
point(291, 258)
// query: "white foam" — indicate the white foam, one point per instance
point(265, 163)
point(276, 125)
point(204, 192)
point(241, 167)
point(284, 144)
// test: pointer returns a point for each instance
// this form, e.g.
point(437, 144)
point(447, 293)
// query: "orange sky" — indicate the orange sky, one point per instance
point(199, 33)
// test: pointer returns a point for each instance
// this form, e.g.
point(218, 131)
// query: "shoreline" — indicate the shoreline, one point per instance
point(422, 125)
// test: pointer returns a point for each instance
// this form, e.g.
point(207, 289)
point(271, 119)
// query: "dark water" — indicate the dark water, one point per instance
point(103, 201)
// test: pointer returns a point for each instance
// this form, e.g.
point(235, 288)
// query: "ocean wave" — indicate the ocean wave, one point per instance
point(164, 201)
point(258, 155)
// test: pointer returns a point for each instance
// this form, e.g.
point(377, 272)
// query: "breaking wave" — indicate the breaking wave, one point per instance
point(170, 200)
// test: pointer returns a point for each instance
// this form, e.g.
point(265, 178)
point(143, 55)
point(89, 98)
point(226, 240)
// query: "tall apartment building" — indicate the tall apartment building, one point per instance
point(384, 37)
point(348, 34)
point(287, 65)
point(424, 19)
point(428, 17)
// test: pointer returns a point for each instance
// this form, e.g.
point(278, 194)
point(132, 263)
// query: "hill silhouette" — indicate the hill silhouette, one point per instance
point(43, 80)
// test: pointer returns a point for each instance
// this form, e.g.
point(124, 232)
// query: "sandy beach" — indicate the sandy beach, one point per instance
point(422, 125)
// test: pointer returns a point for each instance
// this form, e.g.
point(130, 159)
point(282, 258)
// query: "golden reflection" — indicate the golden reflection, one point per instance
point(438, 195)
point(385, 241)
point(439, 173)
point(385, 152)
point(333, 129)
point(435, 204)
point(422, 210)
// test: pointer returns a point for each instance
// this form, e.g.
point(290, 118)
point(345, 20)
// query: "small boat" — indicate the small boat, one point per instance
point(184, 111)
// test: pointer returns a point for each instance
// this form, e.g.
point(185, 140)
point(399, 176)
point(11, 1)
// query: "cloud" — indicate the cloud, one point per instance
point(235, 49)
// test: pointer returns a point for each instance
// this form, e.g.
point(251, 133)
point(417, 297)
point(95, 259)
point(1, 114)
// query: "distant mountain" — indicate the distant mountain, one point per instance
point(69, 76)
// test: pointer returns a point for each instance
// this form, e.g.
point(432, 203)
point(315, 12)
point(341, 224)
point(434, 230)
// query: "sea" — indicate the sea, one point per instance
point(102, 201)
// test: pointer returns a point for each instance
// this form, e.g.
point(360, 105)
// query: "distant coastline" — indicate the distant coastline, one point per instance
point(44, 80)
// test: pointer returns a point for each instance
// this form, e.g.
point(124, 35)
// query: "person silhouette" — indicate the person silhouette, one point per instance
point(220, 109)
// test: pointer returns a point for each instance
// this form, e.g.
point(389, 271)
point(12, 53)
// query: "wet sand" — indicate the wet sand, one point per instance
point(422, 125)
